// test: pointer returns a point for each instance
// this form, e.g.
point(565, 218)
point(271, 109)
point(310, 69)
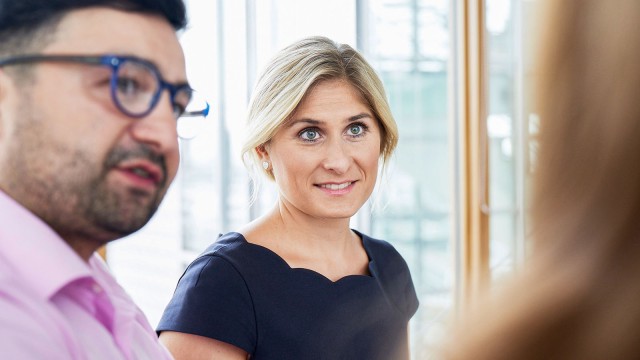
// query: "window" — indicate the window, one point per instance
point(408, 43)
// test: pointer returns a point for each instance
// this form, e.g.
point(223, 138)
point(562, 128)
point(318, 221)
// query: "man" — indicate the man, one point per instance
point(88, 148)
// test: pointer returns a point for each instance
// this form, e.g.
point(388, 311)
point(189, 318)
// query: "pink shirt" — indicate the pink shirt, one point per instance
point(53, 305)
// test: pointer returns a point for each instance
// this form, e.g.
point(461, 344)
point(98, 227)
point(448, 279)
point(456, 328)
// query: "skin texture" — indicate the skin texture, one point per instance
point(332, 138)
point(309, 226)
point(67, 153)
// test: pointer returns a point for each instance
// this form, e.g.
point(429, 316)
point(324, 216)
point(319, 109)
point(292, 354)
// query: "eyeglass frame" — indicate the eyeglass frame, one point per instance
point(114, 62)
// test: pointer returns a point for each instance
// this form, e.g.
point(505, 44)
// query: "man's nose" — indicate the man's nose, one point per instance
point(158, 129)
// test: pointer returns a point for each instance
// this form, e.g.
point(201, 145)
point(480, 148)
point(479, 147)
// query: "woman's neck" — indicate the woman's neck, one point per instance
point(327, 246)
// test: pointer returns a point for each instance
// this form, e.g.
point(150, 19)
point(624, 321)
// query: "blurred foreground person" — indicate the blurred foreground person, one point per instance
point(88, 148)
point(579, 294)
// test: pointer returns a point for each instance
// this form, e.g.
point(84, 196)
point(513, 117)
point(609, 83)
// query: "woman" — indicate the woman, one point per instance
point(299, 283)
point(579, 297)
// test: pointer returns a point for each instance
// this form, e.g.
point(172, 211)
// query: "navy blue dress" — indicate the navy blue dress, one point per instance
point(246, 295)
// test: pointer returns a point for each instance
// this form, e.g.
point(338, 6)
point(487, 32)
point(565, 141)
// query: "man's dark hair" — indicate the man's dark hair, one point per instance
point(27, 23)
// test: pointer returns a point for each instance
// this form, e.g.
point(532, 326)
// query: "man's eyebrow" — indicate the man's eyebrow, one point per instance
point(182, 84)
point(179, 83)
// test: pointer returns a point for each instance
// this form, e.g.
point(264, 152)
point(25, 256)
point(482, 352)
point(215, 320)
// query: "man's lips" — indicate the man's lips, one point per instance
point(143, 170)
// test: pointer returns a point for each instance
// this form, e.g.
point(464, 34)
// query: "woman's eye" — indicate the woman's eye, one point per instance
point(309, 134)
point(356, 130)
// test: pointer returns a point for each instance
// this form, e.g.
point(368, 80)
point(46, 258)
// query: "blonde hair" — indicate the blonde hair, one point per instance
point(288, 78)
point(579, 297)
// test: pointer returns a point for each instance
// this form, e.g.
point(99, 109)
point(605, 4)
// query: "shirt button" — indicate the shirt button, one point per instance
point(96, 288)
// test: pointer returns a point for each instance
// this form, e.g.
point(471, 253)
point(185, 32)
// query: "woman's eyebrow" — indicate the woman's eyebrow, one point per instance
point(359, 116)
point(303, 120)
point(310, 121)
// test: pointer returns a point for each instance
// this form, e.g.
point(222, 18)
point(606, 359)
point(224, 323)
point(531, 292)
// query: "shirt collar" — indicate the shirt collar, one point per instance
point(36, 253)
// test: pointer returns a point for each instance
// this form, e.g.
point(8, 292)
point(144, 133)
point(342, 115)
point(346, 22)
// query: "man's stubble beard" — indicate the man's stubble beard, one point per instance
point(69, 190)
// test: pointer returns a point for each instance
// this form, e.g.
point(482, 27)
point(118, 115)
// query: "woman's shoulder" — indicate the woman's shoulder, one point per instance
point(391, 269)
point(236, 251)
point(379, 249)
point(221, 254)
point(229, 245)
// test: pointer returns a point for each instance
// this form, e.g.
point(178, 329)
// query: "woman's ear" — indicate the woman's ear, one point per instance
point(263, 154)
point(262, 151)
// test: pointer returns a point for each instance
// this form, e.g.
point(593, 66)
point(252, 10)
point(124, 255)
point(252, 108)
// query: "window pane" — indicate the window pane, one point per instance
point(501, 133)
point(510, 126)
point(407, 41)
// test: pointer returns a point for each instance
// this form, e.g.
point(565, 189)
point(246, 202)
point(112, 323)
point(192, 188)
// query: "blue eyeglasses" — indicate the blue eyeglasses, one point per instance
point(136, 84)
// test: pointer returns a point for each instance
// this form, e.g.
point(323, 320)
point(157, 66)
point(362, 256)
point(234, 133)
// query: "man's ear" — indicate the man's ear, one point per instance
point(6, 86)
point(3, 95)
point(3, 84)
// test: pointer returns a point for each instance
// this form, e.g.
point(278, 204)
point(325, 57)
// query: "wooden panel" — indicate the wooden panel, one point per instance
point(471, 100)
point(102, 251)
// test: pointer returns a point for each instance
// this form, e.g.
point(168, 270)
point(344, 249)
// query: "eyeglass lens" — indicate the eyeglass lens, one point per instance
point(138, 88)
point(135, 88)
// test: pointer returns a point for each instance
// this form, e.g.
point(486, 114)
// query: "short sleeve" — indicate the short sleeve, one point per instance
point(212, 300)
point(399, 279)
point(396, 278)
point(410, 295)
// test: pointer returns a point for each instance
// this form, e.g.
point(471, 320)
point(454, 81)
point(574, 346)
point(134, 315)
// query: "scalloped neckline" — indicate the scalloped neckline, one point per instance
point(370, 265)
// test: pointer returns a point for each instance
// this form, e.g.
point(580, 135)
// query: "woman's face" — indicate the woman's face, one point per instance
point(325, 157)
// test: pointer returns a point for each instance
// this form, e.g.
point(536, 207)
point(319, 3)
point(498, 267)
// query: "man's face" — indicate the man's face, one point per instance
point(67, 153)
